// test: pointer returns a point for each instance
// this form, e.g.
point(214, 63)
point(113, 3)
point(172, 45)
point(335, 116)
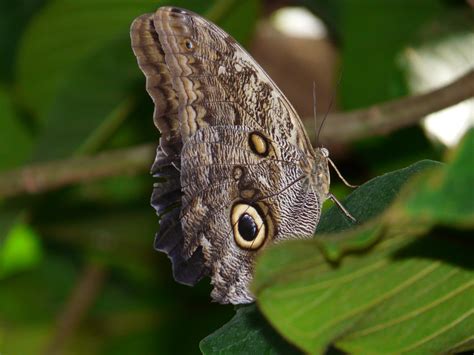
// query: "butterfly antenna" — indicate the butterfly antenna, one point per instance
point(329, 107)
point(314, 110)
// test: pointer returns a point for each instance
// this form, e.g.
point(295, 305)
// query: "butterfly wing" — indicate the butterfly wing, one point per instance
point(244, 154)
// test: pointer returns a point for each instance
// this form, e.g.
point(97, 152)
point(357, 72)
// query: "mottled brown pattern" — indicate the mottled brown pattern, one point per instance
point(229, 137)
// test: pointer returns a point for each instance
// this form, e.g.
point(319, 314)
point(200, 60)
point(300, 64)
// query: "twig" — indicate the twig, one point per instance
point(81, 299)
point(393, 115)
point(340, 127)
point(52, 175)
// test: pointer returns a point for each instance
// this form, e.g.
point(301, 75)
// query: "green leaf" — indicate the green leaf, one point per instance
point(95, 100)
point(20, 250)
point(391, 285)
point(246, 333)
point(373, 36)
point(65, 34)
point(399, 297)
point(15, 142)
point(371, 199)
point(444, 198)
point(425, 308)
point(366, 203)
point(14, 16)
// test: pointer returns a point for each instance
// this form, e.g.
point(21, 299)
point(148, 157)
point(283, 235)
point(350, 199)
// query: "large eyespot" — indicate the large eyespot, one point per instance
point(259, 144)
point(248, 226)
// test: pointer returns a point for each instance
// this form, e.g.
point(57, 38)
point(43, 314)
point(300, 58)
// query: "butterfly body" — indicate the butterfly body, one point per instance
point(239, 168)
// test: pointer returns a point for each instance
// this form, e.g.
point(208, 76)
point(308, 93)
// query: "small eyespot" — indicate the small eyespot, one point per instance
point(248, 226)
point(259, 144)
point(189, 44)
point(237, 173)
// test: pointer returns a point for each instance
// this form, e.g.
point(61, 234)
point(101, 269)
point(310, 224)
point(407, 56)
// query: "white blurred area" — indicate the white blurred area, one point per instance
point(298, 22)
point(434, 65)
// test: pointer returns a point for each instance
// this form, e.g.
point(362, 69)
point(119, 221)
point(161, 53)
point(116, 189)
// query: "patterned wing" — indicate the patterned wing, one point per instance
point(219, 83)
point(244, 153)
point(166, 197)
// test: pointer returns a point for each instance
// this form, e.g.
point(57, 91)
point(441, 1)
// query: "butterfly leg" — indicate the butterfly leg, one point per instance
point(341, 207)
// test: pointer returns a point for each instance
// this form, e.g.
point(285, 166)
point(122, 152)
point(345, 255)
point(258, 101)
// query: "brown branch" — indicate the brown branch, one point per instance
point(339, 127)
point(43, 177)
point(81, 299)
point(393, 115)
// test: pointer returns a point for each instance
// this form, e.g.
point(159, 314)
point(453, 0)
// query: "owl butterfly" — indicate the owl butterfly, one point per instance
point(237, 168)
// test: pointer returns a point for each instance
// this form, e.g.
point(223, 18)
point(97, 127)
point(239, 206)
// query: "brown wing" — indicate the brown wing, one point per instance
point(151, 60)
point(239, 139)
point(166, 197)
point(219, 83)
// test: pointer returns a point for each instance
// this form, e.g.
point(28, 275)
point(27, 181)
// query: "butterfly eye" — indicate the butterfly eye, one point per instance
point(248, 226)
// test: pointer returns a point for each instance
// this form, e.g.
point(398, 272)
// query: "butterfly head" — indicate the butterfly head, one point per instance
point(320, 178)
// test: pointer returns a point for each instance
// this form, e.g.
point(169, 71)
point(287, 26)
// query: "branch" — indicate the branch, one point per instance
point(393, 115)
point(81, 299)
point(340, 127)
point(43, 177)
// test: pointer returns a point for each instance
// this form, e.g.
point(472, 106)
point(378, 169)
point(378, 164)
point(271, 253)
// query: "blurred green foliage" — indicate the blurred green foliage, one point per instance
point(69, 85)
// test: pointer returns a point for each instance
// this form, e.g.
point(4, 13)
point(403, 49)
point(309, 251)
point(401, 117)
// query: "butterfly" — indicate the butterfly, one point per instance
point(236, 168)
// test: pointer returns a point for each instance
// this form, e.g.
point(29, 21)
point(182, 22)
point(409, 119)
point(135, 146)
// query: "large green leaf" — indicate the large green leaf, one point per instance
point(246, 333)
point(410, 292)
point(400, 297)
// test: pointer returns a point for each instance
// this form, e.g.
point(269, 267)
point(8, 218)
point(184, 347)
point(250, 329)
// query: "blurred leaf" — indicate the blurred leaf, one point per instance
point(372, 37)
point(34, 296)
point(114, 236)
point(373, 152)
point(15, 142)
point(8, 216)
point(21, 250)
point(92, 101)
point(246, 333)
point(64, 35)
point(14, 16)
point(447, 198)
point(28, 310)
point(14, 340)
point(240, 19)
